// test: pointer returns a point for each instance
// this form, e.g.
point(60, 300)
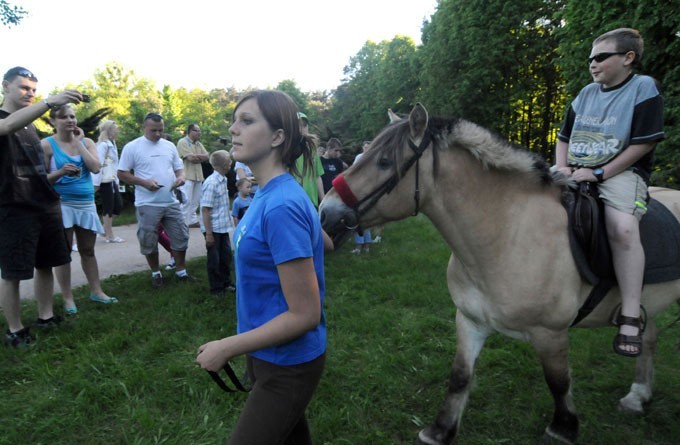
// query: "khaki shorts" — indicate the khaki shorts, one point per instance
point(626, 192)
point(172, 219)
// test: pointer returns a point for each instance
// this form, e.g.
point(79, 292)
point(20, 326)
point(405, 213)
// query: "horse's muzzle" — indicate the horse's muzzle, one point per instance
point(338, 222)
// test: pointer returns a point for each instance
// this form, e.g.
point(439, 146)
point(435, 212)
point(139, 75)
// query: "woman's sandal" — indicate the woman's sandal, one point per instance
point(629, 340)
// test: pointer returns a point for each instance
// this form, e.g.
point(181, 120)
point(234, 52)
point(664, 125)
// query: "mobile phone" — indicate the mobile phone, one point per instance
point(161, 185)
point(86, 97)
point(74, 174)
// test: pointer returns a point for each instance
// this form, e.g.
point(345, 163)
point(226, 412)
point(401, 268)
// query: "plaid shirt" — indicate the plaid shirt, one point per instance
point(214, 195)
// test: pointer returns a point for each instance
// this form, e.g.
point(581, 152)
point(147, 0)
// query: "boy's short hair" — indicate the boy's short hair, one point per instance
point(333, 143)
point(625, 39)
point(241, 181)
point(219, 157)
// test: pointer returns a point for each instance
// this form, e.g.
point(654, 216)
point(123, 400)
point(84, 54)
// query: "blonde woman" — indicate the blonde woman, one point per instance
point(112, 203)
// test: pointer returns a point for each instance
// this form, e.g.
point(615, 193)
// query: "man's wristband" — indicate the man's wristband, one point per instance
point(48, 104)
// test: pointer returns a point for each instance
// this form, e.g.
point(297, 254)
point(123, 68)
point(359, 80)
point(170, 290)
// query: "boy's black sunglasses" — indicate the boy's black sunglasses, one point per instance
point(601, 57)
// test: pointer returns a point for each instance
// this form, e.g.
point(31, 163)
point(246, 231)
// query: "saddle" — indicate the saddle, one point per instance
point(659, 233)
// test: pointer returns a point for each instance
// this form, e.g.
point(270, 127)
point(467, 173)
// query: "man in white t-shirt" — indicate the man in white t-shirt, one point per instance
point(153, 166)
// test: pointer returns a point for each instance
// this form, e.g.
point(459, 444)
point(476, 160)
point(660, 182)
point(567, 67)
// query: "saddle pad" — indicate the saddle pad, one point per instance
point(660, 234)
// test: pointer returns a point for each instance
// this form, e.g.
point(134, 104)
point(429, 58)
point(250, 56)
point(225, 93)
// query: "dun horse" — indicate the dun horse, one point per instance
point(511, 270)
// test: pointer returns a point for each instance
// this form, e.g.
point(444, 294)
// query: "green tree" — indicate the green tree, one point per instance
point(11, 15)
point(289, 87)
point(492, 62)
point(380, 76)
point(658, 21)
point(128, 96)
point(183, 107)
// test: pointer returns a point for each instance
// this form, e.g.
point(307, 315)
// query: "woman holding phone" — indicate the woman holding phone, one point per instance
point(70, 159)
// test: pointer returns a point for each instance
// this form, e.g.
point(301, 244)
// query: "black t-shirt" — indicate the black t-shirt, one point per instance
point(23, 175)
point(331, 169)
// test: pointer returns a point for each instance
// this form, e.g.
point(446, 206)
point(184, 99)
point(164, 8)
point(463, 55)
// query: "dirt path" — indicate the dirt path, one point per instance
point(120, 258)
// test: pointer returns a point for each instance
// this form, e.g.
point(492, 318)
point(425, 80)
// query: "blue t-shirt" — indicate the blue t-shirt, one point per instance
point(240, 206)
point(280, 225)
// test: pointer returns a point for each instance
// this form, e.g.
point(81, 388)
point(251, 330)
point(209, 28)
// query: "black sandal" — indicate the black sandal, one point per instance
point(629, 340)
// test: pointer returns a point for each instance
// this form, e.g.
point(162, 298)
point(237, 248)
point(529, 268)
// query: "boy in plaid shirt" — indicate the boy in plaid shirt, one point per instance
point(216, 224)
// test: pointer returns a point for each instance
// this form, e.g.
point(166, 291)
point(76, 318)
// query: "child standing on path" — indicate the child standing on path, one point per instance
point(216, 224)
point(243, 200)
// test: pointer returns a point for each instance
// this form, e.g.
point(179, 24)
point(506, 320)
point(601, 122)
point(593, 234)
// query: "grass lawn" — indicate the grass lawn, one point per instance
point(125, 373)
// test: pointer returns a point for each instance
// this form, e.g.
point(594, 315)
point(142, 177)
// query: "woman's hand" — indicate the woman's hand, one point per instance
point(79, 134)
point(213, 355)
point(70, 170)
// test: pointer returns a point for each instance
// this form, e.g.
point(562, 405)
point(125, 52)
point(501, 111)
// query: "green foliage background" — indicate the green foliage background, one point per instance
point(512, 66)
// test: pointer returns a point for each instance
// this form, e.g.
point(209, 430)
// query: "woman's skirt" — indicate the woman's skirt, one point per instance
point(82, 214)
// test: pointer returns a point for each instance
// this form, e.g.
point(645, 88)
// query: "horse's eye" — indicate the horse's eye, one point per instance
point(384, 164)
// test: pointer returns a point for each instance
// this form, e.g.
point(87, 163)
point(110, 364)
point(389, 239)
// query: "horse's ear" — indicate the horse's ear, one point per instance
point(417, 121)
point(392, 115)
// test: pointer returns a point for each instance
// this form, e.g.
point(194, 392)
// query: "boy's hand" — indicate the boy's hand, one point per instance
point(209, 240)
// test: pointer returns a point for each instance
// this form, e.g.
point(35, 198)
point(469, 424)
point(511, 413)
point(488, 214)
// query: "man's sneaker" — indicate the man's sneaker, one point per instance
point(51, 322)
point(187, 278)
point(18, 339)
point(171, 264)
point(157, 281)
point(231, 288)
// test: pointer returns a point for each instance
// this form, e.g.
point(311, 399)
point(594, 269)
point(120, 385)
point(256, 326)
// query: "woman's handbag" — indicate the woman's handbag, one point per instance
point(108, 171)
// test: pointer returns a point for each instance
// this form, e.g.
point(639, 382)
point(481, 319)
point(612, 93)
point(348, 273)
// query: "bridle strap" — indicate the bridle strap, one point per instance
point(232, 376)
point(370, 200)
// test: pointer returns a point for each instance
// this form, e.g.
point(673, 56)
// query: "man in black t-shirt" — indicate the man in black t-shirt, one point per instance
point(332, 164)
point(31, 228)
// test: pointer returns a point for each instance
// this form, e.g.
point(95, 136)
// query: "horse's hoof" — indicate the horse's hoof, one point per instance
point(552, 438)
point(631, 405)
point(425, 439)
point(634, 401)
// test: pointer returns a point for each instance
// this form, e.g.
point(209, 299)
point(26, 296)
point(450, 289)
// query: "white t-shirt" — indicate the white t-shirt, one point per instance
point(155, 160)
point(245, 168)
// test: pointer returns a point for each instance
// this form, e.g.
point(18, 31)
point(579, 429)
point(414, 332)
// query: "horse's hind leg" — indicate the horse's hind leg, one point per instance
point(552, 348)
point(470, 340)
point(641, 389)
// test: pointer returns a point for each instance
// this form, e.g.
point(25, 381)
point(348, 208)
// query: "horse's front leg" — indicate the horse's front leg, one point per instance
point(641, 389)
point(470, 341)
point(552, 348)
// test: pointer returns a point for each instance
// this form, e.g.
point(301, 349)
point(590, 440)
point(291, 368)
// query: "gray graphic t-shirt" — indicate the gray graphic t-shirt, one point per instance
point(603, 122)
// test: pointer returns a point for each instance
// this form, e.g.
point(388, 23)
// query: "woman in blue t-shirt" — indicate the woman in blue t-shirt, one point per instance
point(278, 249)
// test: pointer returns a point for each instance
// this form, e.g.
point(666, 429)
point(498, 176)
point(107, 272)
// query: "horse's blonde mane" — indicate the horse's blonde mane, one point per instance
point(497, 154)
point(490, 150)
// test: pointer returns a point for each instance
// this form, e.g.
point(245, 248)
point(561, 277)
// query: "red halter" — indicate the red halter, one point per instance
point(345, 192)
